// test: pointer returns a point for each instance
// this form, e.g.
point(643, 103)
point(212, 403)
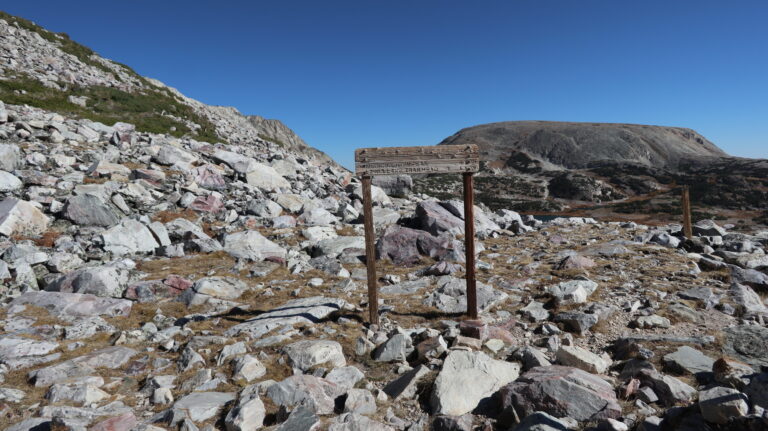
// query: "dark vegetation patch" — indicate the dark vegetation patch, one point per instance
point(147, 109)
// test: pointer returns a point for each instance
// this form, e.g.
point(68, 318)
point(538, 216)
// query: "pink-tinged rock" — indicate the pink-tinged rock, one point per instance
point(124, 422)
point(209, 204)
point(474, 328)
point(19, 217)
point(149, 291)
point(208, 177)
point(179, 283)
point(405, 246)
point(149, 175)
point(434, 218)
point(576, 262)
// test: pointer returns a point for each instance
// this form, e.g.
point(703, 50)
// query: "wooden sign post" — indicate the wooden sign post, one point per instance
point(441, 159)
point(687, 228)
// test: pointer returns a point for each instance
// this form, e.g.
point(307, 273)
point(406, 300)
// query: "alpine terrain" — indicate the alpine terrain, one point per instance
point(170, 265)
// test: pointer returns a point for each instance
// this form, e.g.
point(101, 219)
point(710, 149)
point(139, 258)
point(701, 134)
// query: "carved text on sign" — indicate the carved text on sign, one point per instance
point(417, 160)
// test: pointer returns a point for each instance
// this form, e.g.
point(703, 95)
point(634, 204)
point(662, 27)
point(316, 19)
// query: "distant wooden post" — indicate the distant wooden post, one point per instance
point(370, 252)
point(687, 228)
point(441, 159)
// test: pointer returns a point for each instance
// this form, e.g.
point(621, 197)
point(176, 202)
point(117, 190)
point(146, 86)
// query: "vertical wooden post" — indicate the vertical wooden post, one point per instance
point(687, 228)
point(469, 239)
point(370, 252)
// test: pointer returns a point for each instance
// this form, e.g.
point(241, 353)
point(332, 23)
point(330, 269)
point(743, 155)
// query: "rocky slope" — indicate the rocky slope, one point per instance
point(48, 70)
point(614, 171)
point(157, 282)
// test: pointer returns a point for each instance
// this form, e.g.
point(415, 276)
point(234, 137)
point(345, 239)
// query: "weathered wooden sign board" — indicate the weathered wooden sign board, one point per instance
point(442, 159)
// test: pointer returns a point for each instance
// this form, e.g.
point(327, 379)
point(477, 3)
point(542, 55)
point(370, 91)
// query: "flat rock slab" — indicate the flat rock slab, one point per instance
point(688, 360)
point(315, 393)
point(467, 378)
point(14, 348)
point(200, 406)
point(71, 306)
point(110, 357)
point(304, 310)
point(561, 391)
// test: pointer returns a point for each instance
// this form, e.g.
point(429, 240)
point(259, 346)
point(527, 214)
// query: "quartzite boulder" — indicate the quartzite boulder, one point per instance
point(251, 245)
point(9, 182)
point(200, 406)
point(106, 280)
point(303, 355)
point(467, 379)
point(19, 217)
point(129, 237)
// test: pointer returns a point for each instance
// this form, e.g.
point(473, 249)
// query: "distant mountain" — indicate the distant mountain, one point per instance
point(581, 145)
point(602, 169)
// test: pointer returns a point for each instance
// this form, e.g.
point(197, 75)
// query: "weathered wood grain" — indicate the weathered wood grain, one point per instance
point(417, 160)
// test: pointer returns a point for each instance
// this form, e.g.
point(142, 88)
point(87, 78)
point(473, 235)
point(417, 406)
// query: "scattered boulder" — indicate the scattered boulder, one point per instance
point(467, 379)
point(19, 217)
point(561, 392)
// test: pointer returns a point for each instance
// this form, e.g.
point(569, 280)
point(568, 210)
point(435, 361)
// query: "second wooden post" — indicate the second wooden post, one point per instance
point(370, 252)
point(469, 239)
point(687, 228)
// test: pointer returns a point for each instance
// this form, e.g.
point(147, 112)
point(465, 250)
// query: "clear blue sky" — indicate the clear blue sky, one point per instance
point(348, 74)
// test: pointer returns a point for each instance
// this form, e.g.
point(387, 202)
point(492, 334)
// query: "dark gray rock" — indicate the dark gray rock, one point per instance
point(748, 344)
point(560, 391)
point(394, 185)
point(575, 321)
point(89, 210)
point(300, 419)
point(688, 360)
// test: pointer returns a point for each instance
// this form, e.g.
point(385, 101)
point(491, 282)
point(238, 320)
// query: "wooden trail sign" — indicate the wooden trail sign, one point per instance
point(441, 159)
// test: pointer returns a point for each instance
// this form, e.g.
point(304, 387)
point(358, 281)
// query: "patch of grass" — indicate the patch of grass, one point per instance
point(168, 216)
point(151, 109)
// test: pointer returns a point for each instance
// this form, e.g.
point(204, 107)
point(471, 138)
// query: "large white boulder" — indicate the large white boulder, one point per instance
point(19, 217)
point(466, 379)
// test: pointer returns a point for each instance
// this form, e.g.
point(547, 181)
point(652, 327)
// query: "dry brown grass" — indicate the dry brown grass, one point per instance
point(197, 265)
point(46, 239)
point(168, 215)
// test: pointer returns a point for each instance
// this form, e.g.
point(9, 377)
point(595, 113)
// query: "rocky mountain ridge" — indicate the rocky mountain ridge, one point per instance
point(33, 55)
